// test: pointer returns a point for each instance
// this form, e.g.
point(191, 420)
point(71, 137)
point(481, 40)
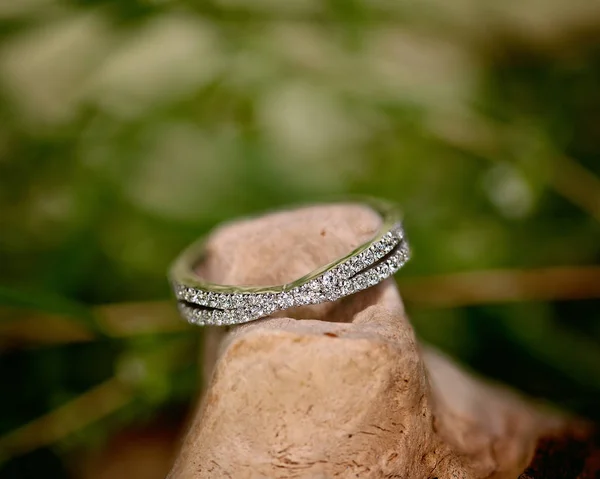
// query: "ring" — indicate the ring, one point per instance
point(203, 303)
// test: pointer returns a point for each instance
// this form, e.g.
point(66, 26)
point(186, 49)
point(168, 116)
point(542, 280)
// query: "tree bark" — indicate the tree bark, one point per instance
point(341, 389)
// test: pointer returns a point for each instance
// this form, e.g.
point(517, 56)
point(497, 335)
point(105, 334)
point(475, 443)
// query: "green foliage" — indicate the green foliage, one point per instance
point(129, 128)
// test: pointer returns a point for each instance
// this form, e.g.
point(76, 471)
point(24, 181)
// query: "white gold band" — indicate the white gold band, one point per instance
point(205, 303)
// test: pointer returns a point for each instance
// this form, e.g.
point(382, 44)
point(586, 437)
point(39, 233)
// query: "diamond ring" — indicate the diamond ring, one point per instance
point(203, 303)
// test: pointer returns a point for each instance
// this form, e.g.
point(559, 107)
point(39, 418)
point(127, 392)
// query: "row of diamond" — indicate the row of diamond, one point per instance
point(330, 289)
point(347, 269)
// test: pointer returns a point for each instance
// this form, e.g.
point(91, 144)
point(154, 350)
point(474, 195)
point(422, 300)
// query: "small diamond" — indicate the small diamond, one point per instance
point(361, 262)
point(180, 291)
point(306, 295)
point(215, 318)
point(269, 303)
point(236, 301)
point(199, 297)
point(224, 301)
point(212, 300)
point(270, 308)
point(224, 318)
point(374, 263)
point(333, 294)
point(354, 265)
point(245, 314)
point(329, 280)
point(372, 277)
point(315, 297)
point(254, 299)
point(367, 257)
point(378, 250)
point(299, 296)
point(360, 282)
point(344, 270)
point(285, 300)
point(235, 317)
point(258, 311)
point(398, 232)
point(347, 288)
point(383, 271)
point(388, 241)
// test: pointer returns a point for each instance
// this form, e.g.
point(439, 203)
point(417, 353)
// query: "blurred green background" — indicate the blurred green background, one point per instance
point(129, 128)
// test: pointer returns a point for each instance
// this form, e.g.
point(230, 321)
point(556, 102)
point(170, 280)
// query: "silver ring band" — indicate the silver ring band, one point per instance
point(203, 303)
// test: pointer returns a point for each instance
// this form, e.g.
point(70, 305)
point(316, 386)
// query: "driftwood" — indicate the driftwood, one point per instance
point(348, 391)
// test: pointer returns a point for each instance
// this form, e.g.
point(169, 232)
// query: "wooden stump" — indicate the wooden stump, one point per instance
point(341, 389)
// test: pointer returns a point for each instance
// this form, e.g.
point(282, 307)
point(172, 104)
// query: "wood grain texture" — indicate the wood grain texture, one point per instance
point(342, 389)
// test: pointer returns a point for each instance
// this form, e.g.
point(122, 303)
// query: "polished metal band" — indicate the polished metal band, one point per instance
point(205, 303)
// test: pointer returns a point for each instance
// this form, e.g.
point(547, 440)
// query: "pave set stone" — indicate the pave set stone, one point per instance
point(371, 266)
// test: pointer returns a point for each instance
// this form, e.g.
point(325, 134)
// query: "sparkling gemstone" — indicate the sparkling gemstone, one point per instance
point(225, 301)
point(236, 301)
point(212, 300)
point(199, 297)
point(344, 270)
point(372, 278)
point(286, 300)
point(368, 257)
point(329, 280)
point(360, 282)
point(383, 271)
point(379, 251)
point(350, 276)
